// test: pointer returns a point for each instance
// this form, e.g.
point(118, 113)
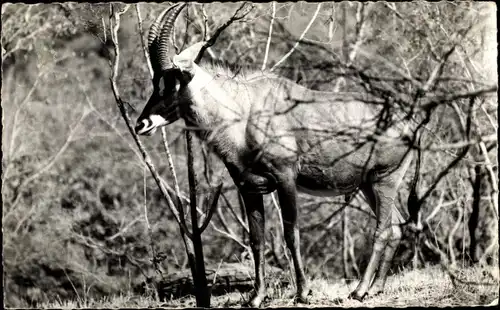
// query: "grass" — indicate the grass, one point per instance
point(423, 287)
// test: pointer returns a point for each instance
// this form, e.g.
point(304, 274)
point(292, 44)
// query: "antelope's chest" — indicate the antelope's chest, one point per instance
point(227, 139)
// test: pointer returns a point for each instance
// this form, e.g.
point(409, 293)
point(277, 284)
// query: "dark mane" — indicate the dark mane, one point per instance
point(244, 70)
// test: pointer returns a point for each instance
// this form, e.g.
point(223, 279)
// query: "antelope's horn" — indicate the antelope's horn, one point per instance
point(153, 44)
point(164, 44)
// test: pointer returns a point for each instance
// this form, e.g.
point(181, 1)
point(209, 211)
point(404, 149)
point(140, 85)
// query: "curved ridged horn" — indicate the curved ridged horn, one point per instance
point(153, 37)
point(164, 45)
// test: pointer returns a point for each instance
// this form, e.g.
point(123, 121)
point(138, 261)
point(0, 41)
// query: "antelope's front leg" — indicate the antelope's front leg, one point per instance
point(248, 181)
point(254, 206)
point(287, 193)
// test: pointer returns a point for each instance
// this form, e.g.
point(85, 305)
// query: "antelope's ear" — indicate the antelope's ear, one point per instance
point(185, 60)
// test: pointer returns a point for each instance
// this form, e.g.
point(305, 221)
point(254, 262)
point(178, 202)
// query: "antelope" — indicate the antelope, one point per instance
point(275, 135)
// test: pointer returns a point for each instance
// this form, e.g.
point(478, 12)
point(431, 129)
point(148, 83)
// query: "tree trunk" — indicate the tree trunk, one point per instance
point(202, 292)
point(474, 217)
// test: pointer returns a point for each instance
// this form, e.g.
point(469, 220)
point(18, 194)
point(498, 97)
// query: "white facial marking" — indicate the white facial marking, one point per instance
point(151, 123)
point(157, 120)
point(144, 128)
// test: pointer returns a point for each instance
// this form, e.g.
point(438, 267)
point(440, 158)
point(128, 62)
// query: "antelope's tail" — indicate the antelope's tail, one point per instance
point(414, 202)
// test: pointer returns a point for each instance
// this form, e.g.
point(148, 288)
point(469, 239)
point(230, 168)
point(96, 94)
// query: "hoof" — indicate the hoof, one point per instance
point(377, 288)
point(255, 301)
point(357, 296)
point(301, 297)
point(373, 293)
point(338, 301)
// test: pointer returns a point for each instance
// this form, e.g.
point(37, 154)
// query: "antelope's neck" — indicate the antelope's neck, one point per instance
point(216, 99)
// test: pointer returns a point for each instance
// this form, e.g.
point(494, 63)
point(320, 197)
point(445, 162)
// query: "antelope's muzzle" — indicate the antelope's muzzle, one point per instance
point(144, 128)
point(149, 125)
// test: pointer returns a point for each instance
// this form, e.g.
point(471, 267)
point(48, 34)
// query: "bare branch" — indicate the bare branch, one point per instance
point(438, 69)
point(21, 42)
point(390, 66)
point(430, 102)
point(482, 146)
point(455, 161)
point(105, 33)
point(360, 26)
point(141, 35)
point(93, 109)
point(240, 221)
point(266, 54)
point(51, 161)
point(18, 111)
point(300, 39)
point(171, 166)
point(148, 226)
point(212, 205)
point(462, 144)
point(193, 183)
point(488, 116)
point(205, 22)
point(451, 236)
point(493, 176)
point(230, 236)
point(219, 30)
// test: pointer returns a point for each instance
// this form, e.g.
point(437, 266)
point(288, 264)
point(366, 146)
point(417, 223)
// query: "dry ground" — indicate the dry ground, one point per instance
point(424, 287)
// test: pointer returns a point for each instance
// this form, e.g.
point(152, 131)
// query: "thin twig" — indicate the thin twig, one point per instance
point(18, 111)
point(51, 161)
point(219, 30)
point(266, 54)
point(141, 35)
point(205, 22)
point(300, 39)
point(455, 161)
point(238, 219)
point(360, 26)
point(212, 205)
point(193, 183)
point(148, 226)
point(462, 144)
point(451, 236)
point(482, 146)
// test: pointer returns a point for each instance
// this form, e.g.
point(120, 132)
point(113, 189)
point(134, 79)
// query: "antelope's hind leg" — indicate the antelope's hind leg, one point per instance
point(254, 206)
point(391, 247)
point(395, 231)
point(380, 196)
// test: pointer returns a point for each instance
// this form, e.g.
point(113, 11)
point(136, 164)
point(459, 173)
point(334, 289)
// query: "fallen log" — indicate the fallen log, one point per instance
point(228, 277)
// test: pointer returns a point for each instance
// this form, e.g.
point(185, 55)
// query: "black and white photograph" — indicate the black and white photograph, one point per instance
point(249, 154)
